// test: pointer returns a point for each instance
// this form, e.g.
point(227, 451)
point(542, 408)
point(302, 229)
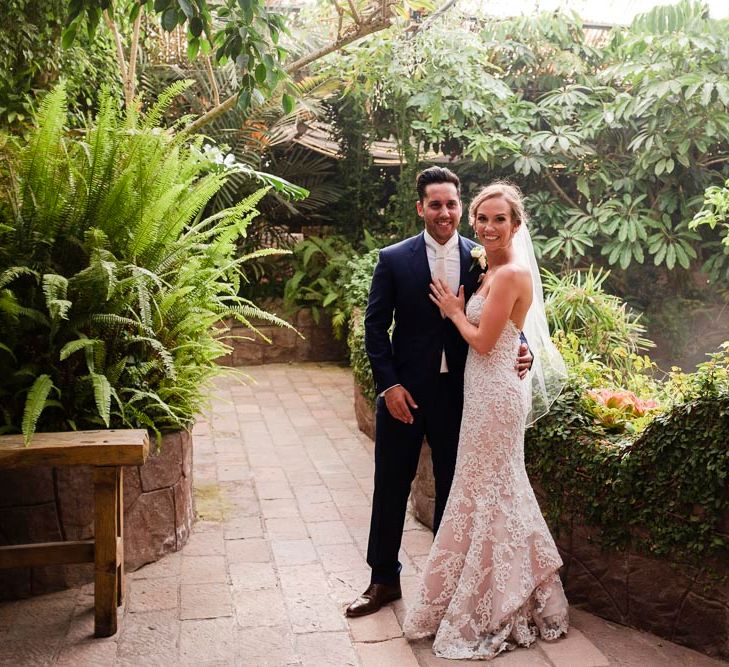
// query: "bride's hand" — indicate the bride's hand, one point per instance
point(449, 303)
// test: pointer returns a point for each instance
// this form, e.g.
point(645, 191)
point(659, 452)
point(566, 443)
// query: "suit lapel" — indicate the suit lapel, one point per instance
point(419, 261)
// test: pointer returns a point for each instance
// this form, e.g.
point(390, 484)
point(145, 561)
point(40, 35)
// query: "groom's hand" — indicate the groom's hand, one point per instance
point(399, 401)
point(523, 361)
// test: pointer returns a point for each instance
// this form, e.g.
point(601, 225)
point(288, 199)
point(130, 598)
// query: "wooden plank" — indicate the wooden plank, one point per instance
point(46, 553)
point(104, 448)
point(106, 582)
point(121, 582)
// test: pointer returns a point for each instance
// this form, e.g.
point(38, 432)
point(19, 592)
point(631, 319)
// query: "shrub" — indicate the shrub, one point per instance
point(606, 328)
point(113, 287)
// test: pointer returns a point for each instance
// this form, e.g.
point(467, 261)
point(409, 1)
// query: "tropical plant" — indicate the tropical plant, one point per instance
point(615, 143)
point(32, 59)
point(606, 328)
point(114, 288)
point(715, 215)
point(321, 271)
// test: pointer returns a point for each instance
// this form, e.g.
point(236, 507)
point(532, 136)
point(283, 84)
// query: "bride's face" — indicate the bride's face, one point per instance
point(494, 225)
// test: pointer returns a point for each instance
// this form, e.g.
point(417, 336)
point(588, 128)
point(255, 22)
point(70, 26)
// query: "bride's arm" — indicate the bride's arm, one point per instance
point(503, 294)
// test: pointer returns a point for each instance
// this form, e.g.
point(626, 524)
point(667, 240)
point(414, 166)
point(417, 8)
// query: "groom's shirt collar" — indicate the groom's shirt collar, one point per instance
point(451, 243)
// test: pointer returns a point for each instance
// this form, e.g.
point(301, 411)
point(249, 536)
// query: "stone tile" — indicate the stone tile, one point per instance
point(574, 649)
point(298, 477)
point(203, 569)
point(279, 509)
point(293, 552)
point(265, 647)
point(262, 474)
point(167, 566)
point(317, 493)
point(253, 550)
point(314, 613)
point(205, 601)
point(356, 516)
point(208, 641)
point(150, 638)
point(327, 649)
point(375, 627)
point(252, 576)
point(342, 558)
point(312, 512)
point(29, 652)
point(346, 586)
point(233, 473)
point(273, 490)
point(242, 528)
point(343, 480)
point(39, 611)
point(390, 652)
point(87, 653)
point(286, 529)
point(209, 543)
point(261, 608)
point(417, 542)
point(153, 594)
point(328, 532)
point(352, 497)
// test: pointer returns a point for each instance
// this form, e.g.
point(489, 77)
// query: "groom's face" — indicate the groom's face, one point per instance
point(441, 210)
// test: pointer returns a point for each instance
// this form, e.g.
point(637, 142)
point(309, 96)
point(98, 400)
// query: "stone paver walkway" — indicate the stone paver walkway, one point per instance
point(283, 480)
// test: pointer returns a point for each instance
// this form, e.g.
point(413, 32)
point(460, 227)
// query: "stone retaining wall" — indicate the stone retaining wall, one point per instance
point(52, 504)
point(683, 603)
point(318, 342)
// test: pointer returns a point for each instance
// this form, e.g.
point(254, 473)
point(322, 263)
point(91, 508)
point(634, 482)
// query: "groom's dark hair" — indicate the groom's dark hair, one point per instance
point(435, 175)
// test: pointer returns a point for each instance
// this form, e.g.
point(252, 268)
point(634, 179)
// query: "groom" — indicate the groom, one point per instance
point(418, 376)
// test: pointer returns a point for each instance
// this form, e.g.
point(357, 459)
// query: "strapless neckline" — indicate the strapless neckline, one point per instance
point(476, 295)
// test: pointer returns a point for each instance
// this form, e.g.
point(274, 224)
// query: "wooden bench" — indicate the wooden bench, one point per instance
point(107, 451)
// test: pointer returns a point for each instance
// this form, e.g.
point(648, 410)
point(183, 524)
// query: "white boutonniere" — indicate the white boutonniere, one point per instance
point(479, 257)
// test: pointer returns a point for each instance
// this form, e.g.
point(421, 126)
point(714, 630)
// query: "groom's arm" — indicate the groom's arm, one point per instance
point(378, 318)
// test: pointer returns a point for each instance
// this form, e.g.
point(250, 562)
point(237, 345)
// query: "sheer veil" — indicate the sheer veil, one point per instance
point(548, 373)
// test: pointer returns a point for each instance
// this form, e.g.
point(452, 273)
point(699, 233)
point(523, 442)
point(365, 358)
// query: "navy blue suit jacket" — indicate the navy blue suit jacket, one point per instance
point(400, 289)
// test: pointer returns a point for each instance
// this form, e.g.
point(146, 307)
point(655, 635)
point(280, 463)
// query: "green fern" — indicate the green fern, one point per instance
point(35, 404)
point(107, 251)
point(102, 395)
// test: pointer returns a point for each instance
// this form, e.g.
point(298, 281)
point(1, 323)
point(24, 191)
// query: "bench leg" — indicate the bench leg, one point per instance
point(107, 492)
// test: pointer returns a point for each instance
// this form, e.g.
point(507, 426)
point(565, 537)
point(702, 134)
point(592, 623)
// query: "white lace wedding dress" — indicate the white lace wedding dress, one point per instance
point(490, 582)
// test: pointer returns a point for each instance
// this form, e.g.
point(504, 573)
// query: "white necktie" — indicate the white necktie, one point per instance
point(440, 272)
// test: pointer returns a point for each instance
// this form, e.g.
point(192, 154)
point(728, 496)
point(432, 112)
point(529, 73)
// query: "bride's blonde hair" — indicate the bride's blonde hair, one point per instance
point(509, 192)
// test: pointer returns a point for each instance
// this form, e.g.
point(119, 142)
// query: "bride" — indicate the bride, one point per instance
point(491, 580)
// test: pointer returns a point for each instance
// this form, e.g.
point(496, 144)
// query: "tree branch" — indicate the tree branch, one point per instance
point(375, 24)
point(213, 82)
point(559, 191)
point(119, 54)
point(717, 160)
point(431, 18)
point(355, 15)
point(132, 70)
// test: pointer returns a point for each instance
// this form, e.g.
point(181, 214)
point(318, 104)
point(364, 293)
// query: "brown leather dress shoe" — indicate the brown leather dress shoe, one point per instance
point(373, 599)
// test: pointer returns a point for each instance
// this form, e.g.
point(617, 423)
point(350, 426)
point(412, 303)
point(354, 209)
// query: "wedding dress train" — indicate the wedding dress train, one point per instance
point(490, 582)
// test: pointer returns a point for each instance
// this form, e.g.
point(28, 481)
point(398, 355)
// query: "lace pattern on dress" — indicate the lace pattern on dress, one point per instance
point(490, 582)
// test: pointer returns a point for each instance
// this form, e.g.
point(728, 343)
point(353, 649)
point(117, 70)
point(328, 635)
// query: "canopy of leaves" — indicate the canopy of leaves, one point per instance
point(614, 143)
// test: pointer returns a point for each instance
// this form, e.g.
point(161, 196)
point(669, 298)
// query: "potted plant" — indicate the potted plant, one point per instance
point(114, 292)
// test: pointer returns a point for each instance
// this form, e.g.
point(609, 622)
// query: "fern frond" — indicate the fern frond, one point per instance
point(75, 345)
point(35, 403)
point(102, 396)
point(15, 272)
point(153, 117)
